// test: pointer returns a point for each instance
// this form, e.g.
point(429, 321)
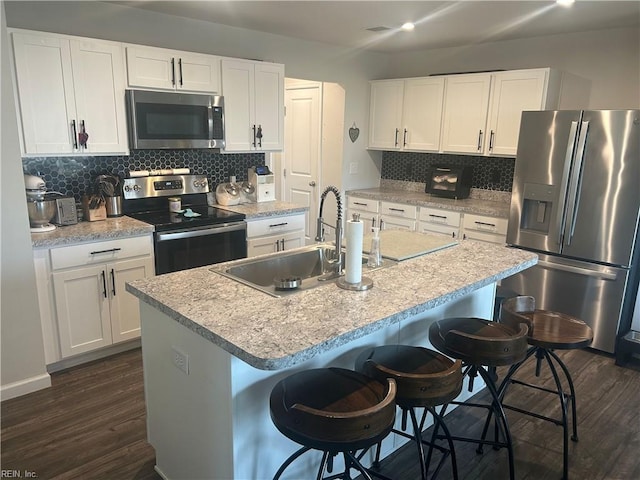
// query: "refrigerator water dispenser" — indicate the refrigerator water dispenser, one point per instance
point(537, 207)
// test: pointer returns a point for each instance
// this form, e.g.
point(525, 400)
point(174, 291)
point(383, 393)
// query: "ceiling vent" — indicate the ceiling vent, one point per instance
point(378, 29)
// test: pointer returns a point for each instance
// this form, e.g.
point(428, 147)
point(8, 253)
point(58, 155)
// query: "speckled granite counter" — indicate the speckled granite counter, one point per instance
point(421, 199)
point(274, 333)
point(117, 227)
point(265, 209)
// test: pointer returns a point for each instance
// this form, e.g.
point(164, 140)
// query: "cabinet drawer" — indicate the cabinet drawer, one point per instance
point(100, 252)
point(273, 225)
point(363, 204)
point(398, 210)
point(440, 217)
point(484, 224)
point(450, 231)
point(397, 223)
point(485, 237)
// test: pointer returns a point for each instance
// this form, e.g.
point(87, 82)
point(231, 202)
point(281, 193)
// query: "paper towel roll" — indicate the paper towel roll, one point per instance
point(353, 263)
point(138, 173)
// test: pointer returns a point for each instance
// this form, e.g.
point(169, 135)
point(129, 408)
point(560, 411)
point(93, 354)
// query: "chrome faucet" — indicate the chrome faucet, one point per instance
point(320, 223)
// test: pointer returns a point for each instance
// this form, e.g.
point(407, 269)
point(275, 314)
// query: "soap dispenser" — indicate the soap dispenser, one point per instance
point(375, 260)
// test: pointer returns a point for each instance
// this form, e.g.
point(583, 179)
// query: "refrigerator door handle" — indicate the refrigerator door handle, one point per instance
point(576, 184)
point(604, 275)
point(562, 217)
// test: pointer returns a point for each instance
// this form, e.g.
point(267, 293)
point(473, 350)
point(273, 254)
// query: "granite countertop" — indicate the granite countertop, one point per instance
point(468, 205)
point(275, 333)
point(111, 228)
point(265, 209)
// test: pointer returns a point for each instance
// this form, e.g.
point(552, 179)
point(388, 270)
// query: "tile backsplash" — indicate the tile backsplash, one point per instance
point(489, 173)
point(73, 175)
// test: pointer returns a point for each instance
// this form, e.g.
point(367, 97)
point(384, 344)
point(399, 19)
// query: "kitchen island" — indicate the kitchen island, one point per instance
point(214, 348)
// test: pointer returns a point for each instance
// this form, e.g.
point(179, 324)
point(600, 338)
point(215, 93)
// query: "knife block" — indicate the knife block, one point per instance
point(93, 214)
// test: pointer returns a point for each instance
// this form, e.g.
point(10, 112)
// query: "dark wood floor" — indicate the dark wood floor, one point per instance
point(91, 425)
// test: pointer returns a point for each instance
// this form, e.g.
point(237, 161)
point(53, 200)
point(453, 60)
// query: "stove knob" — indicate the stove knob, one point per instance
point(127, 188)
point(136, 188)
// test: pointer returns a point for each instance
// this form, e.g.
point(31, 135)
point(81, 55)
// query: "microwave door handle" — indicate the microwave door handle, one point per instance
point(576, 183)
point(562, 210)
point(210, 121)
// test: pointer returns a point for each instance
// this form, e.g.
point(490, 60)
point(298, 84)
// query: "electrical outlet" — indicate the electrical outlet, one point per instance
point(353, 168)
point(180, 360)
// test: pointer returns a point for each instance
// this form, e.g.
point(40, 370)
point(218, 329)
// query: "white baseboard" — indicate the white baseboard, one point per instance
point(17, 389)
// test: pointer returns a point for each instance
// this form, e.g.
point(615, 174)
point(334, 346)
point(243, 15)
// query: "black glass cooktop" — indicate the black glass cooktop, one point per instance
point(164, 220)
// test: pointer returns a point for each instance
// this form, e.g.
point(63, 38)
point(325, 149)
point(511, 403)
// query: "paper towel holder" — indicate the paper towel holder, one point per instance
point(365, 284)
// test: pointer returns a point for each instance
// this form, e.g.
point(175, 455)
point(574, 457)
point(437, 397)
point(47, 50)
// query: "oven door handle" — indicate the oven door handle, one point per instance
point(222, 228)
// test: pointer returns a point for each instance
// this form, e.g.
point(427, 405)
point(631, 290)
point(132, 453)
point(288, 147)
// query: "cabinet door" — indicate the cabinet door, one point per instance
point(511, 94)
point(292, 240)
point(198, 73)
point(124, 307)
point(269, 105)
point(422, 113)
point(151, 68)
point(238, 90)
point(45, 89)
point(385, 114)
point(369, 219)
point(465, 113)
point(99, 84)
point(82, 308)
point(263, 245)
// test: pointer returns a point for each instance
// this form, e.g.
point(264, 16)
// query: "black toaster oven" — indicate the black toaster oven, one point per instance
point(450, 182)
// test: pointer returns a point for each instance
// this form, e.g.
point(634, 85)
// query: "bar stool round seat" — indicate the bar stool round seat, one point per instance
point(482, 345)
point(424, 379)
point(333, 410)
point(548, 331)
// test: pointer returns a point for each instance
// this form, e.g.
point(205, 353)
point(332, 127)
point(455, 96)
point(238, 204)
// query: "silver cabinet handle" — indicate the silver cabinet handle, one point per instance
point(361, 204)
point(277, 245)
point(491, 140)
point(396, 209)
point(312, 183)
point(104, 283)
point(404, 138)
point(74, 134)
point(254, 137)
point(278, 224)
point(111, 250)
point(479, 139)
point(173, 71)
point(395, 141)
point(180, 69)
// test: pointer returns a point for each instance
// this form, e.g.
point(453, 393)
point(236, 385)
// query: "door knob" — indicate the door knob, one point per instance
point(312, 183)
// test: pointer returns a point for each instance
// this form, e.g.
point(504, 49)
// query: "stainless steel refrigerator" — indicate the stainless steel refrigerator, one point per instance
point(576, 202)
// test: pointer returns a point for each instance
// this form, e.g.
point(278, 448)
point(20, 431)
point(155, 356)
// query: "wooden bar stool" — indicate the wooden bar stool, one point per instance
point(424, 379)
point(480, 345)
point(548, 331)
point(336, 411)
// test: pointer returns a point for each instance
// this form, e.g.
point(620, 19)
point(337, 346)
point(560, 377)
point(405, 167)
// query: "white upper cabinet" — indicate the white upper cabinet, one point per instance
point(159, 68)
point(422, 113)
point(254, 105)
point(465, 113)
point(512, 93)
point(385, 114)
point(406, 114)
point(69, 87)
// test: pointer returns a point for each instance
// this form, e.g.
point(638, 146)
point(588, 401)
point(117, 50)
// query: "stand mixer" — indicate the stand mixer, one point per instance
point(40, 204)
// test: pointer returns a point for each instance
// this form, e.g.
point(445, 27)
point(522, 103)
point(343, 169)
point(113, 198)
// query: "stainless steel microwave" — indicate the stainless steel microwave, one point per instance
point(174, 120)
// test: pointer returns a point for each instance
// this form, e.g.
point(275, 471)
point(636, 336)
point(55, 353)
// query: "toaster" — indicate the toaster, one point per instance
point(66, 213)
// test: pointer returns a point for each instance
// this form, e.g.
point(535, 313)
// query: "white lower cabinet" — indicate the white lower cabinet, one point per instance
point(441, 222)
point(367, 209)
point(89, 306)
point(486, 229)
point(397, 216)
point(275, 234)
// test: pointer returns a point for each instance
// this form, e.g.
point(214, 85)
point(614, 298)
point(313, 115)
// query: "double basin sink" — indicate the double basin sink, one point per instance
point(290, 272)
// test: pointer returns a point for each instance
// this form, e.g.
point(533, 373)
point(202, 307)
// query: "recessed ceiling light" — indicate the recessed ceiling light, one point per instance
point(565, 3)
point(407, 27)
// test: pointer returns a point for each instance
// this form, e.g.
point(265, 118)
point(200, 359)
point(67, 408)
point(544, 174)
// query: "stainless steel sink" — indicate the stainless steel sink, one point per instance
point(310, 266)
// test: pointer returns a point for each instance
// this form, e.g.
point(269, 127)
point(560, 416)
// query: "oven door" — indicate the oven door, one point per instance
point(183, 249)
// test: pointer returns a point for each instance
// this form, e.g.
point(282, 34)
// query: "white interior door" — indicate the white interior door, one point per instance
point(302, 149)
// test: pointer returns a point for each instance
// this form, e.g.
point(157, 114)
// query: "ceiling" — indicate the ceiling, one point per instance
point(438, 24)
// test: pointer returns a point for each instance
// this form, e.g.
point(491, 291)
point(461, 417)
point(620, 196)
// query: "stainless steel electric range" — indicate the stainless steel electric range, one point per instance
point(195, 235)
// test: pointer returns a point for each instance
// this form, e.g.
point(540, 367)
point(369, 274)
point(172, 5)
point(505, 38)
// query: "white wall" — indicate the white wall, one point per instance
point(23, 367)
point(610, 59)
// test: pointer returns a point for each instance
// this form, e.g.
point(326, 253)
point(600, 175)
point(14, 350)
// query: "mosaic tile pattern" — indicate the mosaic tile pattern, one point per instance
point(489, 173)
point(73, 175)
